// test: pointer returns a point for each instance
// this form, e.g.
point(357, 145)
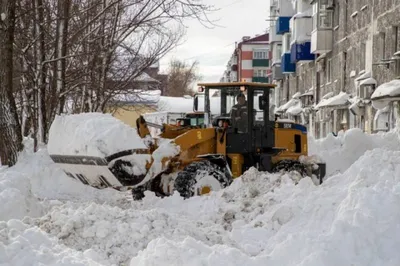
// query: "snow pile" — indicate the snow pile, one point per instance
point(91, 134)
point(192, 252)
point(352, 219)
point(260, 219)
point(23, 245)
point(16, 197)
point(342, 151)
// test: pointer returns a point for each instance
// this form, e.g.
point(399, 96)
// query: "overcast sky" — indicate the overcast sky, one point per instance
point(213, 47)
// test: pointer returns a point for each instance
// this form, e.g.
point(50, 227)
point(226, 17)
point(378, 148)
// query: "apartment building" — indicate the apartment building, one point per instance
point(334, 55)
point(250, 61)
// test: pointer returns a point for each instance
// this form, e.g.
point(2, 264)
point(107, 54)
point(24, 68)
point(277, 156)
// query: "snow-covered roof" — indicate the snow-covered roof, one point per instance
point(363, 76)
point(328, 95)
point(296, 95)
point(144, 77)
point(139, 97)
point(368, 81)
point(304, 14)
point(310, 92)
point(388, 89)
point(287, 105)
point(385, 93)
point(339, 99)
point(295, 109)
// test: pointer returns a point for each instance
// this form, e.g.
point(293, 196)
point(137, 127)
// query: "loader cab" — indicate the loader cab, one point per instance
point(220, 101)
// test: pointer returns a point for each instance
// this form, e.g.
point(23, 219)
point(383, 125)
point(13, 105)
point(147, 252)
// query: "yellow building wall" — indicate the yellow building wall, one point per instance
point(130, 113)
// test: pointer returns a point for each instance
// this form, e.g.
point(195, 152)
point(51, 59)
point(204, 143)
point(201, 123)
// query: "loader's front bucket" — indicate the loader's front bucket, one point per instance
point(123, 169)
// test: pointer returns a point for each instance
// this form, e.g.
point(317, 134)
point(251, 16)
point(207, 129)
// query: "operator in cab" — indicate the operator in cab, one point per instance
point(239, 114)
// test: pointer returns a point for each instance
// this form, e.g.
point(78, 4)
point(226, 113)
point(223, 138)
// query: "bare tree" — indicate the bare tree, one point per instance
point(10, 135)
point(78, 54)
point(181, 77)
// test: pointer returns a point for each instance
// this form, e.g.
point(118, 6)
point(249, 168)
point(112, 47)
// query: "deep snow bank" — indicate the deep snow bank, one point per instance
point(342, 151)
point(21, 245)
point(35, 178)
point(91, 134)
point(261, 219)
point(352, 219)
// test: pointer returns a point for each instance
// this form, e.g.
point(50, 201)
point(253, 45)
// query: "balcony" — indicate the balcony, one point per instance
point(260, 63)
point(286, 65)
point(321, 41)
point(322, 33)
point(276, 72)
point(282, 25)
point(260, 79)
point(273, 37)
point(301, 52)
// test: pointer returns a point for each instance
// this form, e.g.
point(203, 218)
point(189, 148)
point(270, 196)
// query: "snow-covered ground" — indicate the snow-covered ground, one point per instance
point(47, 218)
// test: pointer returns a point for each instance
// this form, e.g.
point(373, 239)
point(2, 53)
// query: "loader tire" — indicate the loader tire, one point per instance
point(197, 176)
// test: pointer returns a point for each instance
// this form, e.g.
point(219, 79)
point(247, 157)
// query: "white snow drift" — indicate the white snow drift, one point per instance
point(261, 219)
point(91, 134)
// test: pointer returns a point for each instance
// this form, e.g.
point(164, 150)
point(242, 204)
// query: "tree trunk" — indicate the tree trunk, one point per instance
point(61, 52)
point(10, 130)
point(40, 72)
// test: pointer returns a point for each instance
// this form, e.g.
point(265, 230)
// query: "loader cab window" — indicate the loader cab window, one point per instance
point(258, 114)
point(196, 121)
point(239, 114)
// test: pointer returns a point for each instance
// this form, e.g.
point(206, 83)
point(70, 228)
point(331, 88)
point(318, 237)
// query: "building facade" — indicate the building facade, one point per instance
point(334, 55)
point(250, 60)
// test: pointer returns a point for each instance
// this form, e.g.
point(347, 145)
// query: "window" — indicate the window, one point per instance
point(336, 14)
point(286, 42)
point(315, 16)
point(259, 73)
point(277, 52)
point(395, 32)
point(362, 55)
point(260, 54)
point(322, 17)
point(325, 20)
point(382, 51)
point(344, 69)
point(329, 70)
point(297, 142)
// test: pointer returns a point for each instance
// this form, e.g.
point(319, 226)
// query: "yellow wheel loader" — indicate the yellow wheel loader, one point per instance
point(207, 156)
